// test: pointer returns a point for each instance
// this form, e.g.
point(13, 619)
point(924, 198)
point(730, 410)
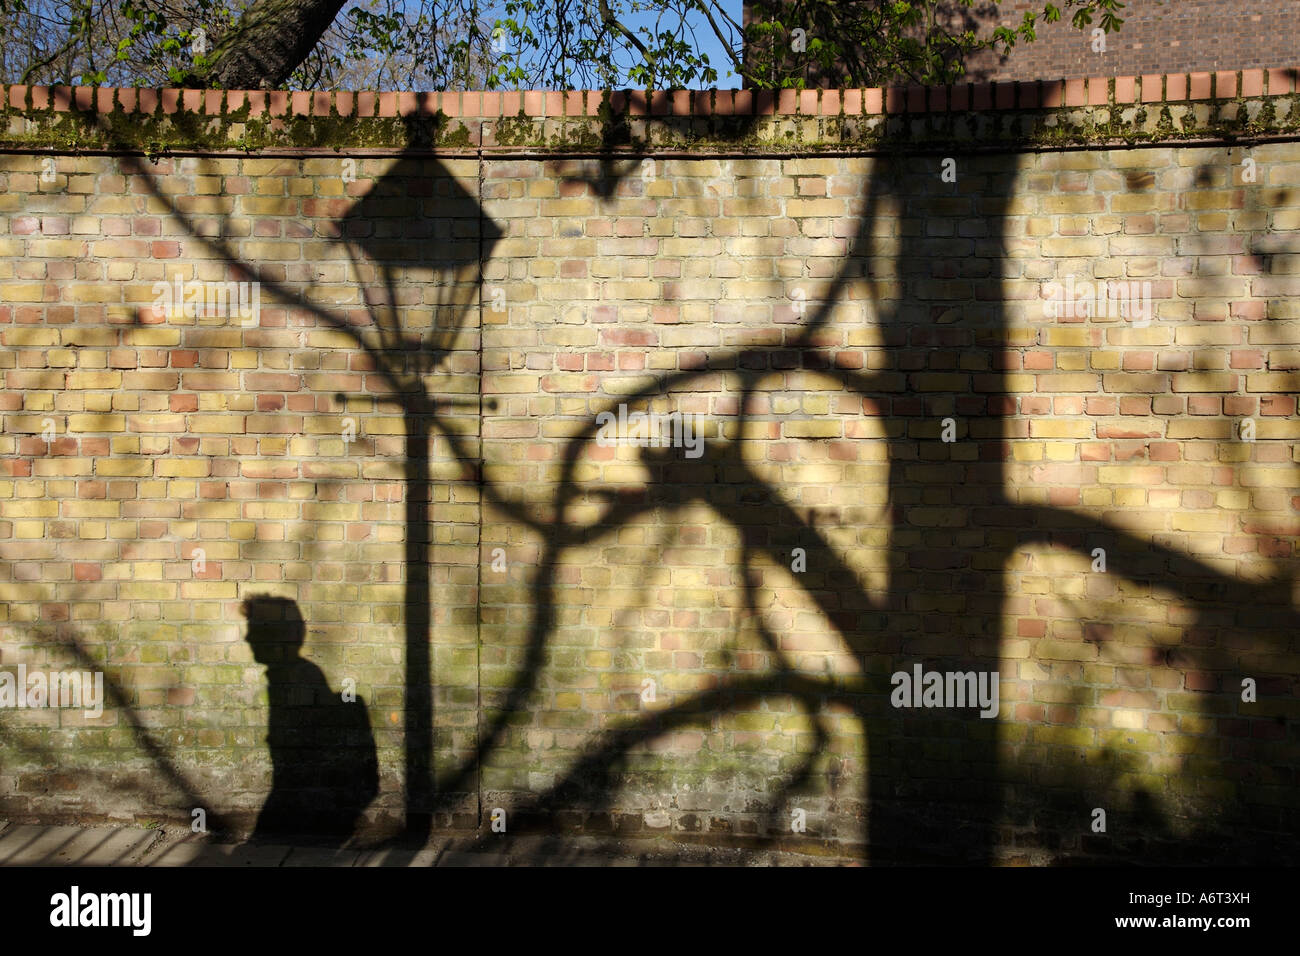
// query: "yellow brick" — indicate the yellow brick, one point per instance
point(1068, 382)
point(1199, 428)
point(62, 466)
point(1278, 428)
point(1280, 382)
point(1207, 335)
point(29, 509)
point(1060, 428)
point(152, 336)
point(383, 425)
point(27, 336)
point(91, 509)
point(209, 590)
point(31, 424)
point(96, 423)
point(270, 251)
point(1068, 338)
point(812, 429)
point(1272, 478)
point(1105, 361)
point(183, 468)
point(1062, 451)
point(1131, 497)
point(1130, 475)
point(146, 591)
point(1064, 736)
point(92, 293)
point(1072, 361)
point(1027, 451)
point(800, 208)
point(221, 424)
point(496, 382)
point(56, 248)
point(1205, 382)
point(1075, 248)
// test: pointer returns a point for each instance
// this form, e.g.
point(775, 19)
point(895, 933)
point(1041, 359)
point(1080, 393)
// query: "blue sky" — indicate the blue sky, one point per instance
point(707, 42)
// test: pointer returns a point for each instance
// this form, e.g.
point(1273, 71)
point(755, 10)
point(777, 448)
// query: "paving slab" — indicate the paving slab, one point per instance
point(199, 853)
point(73, 846)
point(472, 859)
point(396, 858)
point(321, 856)
point(582, 861)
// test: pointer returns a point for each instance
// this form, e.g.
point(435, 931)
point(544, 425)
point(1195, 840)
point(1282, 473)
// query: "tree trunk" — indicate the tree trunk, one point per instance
point(264, 48)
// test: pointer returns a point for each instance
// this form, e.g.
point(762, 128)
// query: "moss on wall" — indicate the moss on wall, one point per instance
point(158, 133)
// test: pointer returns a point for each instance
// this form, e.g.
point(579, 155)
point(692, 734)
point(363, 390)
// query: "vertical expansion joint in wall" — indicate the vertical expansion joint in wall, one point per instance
point(481, 481)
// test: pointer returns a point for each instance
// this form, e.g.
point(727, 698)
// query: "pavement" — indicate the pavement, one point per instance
point(130, 846)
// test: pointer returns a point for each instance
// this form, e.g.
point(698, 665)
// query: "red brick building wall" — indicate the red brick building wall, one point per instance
point(1157, 36)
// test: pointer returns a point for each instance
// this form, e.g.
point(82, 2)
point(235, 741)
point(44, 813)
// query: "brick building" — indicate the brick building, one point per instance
point(1158, 36)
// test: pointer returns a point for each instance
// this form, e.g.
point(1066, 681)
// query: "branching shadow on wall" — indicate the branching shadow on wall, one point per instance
point(958, 800)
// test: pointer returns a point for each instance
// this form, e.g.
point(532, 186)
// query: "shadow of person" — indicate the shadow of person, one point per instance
point(324, 768)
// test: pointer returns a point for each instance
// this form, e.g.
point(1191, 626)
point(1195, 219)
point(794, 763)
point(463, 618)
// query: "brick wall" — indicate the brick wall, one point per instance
point(911, 459)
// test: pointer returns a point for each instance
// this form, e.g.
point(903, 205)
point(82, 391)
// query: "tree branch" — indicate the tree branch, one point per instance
point(612, 22)
point(68, 44)
point(737, 61)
